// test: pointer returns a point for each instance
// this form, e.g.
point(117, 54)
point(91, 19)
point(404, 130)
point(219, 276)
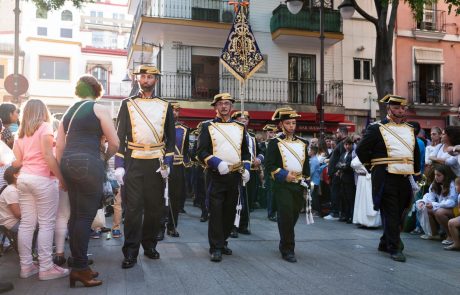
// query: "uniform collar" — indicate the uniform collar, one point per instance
point(141, 95)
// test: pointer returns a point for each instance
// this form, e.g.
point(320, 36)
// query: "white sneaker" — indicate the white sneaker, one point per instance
point(428, 237)
point(330, 217)
point(28, 271)
point(55, 272)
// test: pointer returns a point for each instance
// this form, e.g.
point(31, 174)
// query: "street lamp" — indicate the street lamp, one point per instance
point(347, 9)
point(294, 7)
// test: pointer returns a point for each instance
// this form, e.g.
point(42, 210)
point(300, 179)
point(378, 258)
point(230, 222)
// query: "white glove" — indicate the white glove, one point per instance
point(245, 176)
point(119, 173)
point(164, 172)
point(223, 168)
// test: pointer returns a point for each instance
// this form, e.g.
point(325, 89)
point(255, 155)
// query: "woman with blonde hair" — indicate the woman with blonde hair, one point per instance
point(38, 190)
point(78, 149)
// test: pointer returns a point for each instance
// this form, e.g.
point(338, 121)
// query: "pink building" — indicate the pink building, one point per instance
point(426, 64)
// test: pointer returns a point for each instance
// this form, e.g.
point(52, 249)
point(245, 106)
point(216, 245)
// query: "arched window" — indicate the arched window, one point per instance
point(66, 15)
point(102, 75)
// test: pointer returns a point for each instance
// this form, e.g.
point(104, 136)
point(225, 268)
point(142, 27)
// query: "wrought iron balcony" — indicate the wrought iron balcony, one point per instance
point(432, 93)
point(305, 20)
point(433, 20)
point(266, 90)
point(205, 10)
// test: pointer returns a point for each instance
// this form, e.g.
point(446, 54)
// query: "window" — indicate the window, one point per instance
point(54, 68)
point(362, 69)
point(42, 31)
point(66, 33)
point(2, 72)
point(98, 39)
point(302, 78)
point(41, 13)
point(97, 17)
point(102, 75)
point(66, 15)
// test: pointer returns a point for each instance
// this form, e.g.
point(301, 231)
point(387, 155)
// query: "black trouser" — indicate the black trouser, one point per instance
point(335, 195)
point(223, 197)
point(144, 189)
point(396, 197)
point(176, 193)
point(315, 199)
point(84, 176)
point(348, 199)
point(289, 200)
point(251, 188)
point(244, 221)
point(200, 189)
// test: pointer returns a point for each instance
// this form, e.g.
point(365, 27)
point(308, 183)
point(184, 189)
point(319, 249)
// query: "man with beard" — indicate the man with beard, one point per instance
point(390, 148)
point(147, 139)
point(287, 163)
point(223, 148)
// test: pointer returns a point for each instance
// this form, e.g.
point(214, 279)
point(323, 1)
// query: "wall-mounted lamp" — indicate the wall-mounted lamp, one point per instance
point(360, 48)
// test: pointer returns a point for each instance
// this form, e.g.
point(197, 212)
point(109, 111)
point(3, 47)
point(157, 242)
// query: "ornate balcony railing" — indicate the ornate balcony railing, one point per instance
point(433, 93)
point(433, 20)
point(274, 90)
point(305, 20)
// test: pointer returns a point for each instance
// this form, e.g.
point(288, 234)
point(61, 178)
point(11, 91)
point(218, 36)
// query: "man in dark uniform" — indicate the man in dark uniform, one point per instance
point(199, 183)
point(144, 159)
point(223, 148)
point(287, 163)
point(249, 193)
point(390, 148)
point(177, 178)
point(270, 132)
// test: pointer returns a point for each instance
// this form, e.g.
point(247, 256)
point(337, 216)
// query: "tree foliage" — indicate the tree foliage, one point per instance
point(384, 24)
point(56, 4)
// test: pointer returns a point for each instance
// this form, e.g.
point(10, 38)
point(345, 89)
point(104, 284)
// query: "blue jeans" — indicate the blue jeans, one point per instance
point(84, 176)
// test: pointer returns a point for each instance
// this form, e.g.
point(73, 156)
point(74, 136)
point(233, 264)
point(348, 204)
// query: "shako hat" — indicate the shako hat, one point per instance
point(392, 99)
point(285, 113)
point(222, 96)
point(270, 127)
point(147, 69)
point(237, 114)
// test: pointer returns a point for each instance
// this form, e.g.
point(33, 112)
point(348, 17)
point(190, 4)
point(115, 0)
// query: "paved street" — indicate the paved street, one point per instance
point(333, 258)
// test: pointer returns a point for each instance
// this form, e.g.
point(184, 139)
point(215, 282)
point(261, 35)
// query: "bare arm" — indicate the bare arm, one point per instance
point(46, 146)
point(14, 208)
point(108, 128)
point(18, 155)
point(60, 142)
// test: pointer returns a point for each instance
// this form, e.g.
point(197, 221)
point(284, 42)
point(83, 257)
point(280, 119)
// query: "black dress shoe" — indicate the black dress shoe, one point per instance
point(272, 218)
point(349, 221)
point(216, 256)
point(173, 233)
point(398, 256)
point(129, 262)
point(227, 251)
point(244, 231)
point(343, 219)
point(152, 253)
point(234, 233)
point(182, 211)
point(160, 235)
point(289, 257)
point(204, 218)
point(5, 287)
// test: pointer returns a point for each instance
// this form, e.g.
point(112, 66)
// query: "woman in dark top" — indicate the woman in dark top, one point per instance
point(9, 115)
point(78, 151)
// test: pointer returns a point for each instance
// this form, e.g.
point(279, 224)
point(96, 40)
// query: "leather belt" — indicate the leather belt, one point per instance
point(145, 147)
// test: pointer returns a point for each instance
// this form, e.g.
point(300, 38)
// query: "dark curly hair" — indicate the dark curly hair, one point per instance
point(453, 132)
point(6, 109)
point(444, 187)
point(88, 86)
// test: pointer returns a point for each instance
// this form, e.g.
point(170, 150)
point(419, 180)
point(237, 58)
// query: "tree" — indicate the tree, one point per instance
point(384, 25)
point(56, 4)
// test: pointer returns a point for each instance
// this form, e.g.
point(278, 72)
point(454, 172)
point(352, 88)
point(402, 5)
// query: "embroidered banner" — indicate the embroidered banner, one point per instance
point(241, 55)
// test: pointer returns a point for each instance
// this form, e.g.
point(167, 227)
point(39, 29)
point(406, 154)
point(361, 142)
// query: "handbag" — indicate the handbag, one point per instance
point(99, 220)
